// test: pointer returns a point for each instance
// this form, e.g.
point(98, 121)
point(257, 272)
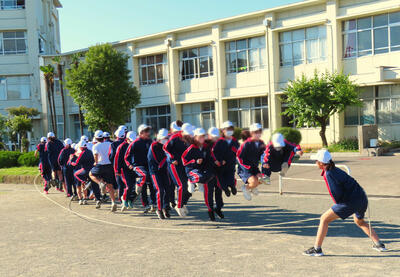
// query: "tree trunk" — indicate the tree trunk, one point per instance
point(80, 119)
point(60, 77)
point(322, 134)
point(54, 109)
point(50, 103)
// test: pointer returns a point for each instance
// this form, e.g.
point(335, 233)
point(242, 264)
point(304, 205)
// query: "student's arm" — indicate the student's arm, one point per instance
point(241, 156)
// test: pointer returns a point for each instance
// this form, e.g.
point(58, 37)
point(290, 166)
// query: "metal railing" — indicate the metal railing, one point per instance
point(305, 179)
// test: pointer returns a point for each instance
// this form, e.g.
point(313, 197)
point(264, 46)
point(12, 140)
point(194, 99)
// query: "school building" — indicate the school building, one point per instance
point(236, 68)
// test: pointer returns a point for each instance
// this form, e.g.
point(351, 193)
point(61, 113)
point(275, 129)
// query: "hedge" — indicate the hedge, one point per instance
point(290, 134)
point(28, 159)
point(9, 158)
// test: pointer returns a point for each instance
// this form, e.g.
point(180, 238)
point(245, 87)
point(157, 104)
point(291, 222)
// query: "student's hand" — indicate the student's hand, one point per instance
point(175, 162)
point(265, 165)
point(300, 152)
point(117, 174)
point(199, 161)
point(131, 167)
point(217, 163)
point(223, 162)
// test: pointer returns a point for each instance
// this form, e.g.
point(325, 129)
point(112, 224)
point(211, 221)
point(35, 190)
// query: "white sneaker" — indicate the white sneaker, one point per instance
point(255, 191)
point(84, 202)
point(81, 202)
point(185, 209)
point(200, 187)
point(153, 208)
point(246, 193)
point(191, 187)
point(98, 204)
point(180, 211)
point(266, 180)
point(113, 207)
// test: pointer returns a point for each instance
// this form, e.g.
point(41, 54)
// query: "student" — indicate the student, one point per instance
point(44, 166)
point(224, 154)
point(120, 184)
point(349, 198)
point(199, 169)
point(53, 149)
point(174, 148)
point(136, 160)
point(107, 137)
point(248, 157)
point(66, 168)
point(159, 174)
point(278, 156)
point(123, 172)
point(102, 173)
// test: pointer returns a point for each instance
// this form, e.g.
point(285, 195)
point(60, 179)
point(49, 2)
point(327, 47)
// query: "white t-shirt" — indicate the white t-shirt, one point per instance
point(102, 148)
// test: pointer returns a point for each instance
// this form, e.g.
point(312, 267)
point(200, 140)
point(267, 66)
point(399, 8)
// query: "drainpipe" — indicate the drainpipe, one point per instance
point(267, 24)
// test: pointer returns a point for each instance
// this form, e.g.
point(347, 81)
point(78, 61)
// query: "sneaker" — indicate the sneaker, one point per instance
point(255, 191)
point(234, 190)
point(266, 180)
point(166, 213)
point(45, 191)
point(146, 209)
point(380, 247)
point(246, 193)
point(98, 204)
point(191, 187)
point(84, 202)
point(152, 209)
point(74, 198)
point(80, 201)
point(313, 252)
point(227, 192)
point(185, 209)
point(220, 213)
point(200, 187)
point(160, 214)
point(124, 205)
point(113, 207)
point(180, 211)
point(211, 215)
point(68, 195)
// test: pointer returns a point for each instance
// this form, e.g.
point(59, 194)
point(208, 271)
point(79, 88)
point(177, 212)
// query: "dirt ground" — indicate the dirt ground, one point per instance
point(49, 236)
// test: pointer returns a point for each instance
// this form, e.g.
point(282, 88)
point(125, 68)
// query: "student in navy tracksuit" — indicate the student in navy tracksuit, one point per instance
point(44, 166)
point(120, 134)
point(83, 163)
point(278, 156)
point(248, 157)
point(349, 198)
point(159, 174)
point(199, 168)
point(53, 148)
point(121, 170)
point(174, 149)
point(136, 160)
point(67, 169)
point(224, 154)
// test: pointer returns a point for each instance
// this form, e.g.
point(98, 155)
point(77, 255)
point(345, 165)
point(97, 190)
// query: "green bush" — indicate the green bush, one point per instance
point(290, 134)
point(345, 144)
point(28, 159)
point(237, 133)
point(9, 158)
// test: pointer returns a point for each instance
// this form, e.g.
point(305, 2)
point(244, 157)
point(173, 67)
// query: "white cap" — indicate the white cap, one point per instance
point(68, 141)
point(131, 135)
point(84, 138)
point(186, 125)
point(188, 130)
point(123, 127)
point(255, 127)
point(227, 124)
point(73, 146)
point(322, 156)
point(82, 143)
point(50, 135)
point(214, 132)
point(43, 139)
point(120, 133)
point(162, 134)
point(142, 128)
point(278, 140)
point(106, 135)
point(175, 127)
point(199, 132)
point(98, 134)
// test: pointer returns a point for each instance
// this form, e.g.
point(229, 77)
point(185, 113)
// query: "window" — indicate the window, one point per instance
point(15, 88)
point(57, 86)
point(302, 46)
point(60, 126)
point(381, 106)
point(12, 4)
point(196, 63)
point(199, 114)
point(77, 128)
point(41, 46)
point(244, 112)
point(152, 70)
point(245, 55)
point(157, 117)
point(12, 43)
point(371, 35)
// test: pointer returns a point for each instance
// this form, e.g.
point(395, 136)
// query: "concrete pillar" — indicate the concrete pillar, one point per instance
point(173, 76)
point(218, 51)
point(134, 78)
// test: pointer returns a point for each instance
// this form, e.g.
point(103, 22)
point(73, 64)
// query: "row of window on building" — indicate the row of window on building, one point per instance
point(12, 4)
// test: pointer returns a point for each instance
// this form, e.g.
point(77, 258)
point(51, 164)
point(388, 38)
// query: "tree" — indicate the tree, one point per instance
point(75, 59)
point(101, 85)
point(312, 101)
point(57, 60)
point(48, 72)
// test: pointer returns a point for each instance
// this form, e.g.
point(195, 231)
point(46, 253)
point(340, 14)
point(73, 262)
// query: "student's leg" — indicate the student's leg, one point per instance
point(326, 218)
point(252, 182)
point(365, 227)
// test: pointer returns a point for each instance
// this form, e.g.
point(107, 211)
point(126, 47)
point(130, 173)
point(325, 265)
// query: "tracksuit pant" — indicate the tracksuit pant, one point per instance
point(68, 174)
point(162, 184)
point(273, 167)
point(211, 189)
point(145, 182)
point(226, 178)
point(128, 178)
point(45, 171)
point(81, 176)
point(179, 179)
point(120, 185)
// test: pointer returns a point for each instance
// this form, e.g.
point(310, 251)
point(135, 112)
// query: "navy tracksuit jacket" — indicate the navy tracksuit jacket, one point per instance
point(111, 155)
point(136, 156)
point(67, 169)
point(53, 149)
point(157, 160)
point(248, 157)
point(127, 191)
point(203, 173)
point(82, 165)
point(44, 166)
point(222, 150)
point(275, 158)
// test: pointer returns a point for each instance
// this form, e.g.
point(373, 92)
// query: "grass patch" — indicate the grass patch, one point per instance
point(19, 171)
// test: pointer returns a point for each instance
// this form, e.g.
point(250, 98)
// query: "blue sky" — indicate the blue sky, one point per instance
point(86, 22)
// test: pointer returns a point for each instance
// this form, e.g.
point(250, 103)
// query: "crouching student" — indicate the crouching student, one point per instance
point(199, 169)
point(349, 198)
point(44, 165)
point(159, 174)
point(248, 157)
point(278, 156)
point(66, 168)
